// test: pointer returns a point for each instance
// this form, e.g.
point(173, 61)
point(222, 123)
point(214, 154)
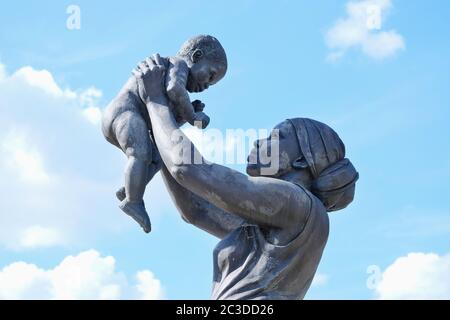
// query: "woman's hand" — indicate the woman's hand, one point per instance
point(150, 75)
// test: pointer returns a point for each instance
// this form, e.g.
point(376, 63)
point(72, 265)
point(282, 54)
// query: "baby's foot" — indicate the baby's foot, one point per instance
point(120, 194)
point(137, 211)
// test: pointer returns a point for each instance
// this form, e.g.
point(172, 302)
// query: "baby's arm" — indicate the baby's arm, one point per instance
point(176, 89)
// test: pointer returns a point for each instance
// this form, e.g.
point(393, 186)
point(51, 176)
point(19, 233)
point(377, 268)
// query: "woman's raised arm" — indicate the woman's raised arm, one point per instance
point(199, 212)
point(264, 201)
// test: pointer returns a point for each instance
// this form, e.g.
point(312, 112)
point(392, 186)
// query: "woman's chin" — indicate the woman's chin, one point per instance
point(252, 170)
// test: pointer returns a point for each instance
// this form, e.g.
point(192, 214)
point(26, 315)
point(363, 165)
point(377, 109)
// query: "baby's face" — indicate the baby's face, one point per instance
point(203, 74)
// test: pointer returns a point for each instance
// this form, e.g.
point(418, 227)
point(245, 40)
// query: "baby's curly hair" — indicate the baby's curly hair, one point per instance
point(211, 47)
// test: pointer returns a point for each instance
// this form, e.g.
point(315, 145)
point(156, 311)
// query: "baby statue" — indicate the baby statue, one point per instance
point(200, 63)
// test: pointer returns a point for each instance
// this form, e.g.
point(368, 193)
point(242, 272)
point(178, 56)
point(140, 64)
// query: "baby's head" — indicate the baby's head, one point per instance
point(207, 62)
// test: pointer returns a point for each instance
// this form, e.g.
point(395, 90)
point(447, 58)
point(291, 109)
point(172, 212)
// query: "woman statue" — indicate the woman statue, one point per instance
point(273, 229)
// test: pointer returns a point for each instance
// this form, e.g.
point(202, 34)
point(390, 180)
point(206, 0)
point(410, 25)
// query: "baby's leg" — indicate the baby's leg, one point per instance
point(133, 137)
point(152, 170)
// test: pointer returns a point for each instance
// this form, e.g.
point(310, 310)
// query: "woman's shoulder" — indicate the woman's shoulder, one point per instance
point(304, 199)
point(308, 217)
point(305, 204)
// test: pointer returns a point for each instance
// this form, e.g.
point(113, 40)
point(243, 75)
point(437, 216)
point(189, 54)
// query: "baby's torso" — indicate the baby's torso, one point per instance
point(129, 100)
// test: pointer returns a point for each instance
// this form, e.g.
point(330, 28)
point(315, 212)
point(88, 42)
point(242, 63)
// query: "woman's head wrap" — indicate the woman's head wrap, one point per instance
point(334, 176)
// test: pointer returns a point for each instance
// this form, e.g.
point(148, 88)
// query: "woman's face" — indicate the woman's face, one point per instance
point(284, 138)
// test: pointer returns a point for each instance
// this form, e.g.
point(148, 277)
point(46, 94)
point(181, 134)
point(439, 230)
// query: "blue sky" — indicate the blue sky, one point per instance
point(385, 92)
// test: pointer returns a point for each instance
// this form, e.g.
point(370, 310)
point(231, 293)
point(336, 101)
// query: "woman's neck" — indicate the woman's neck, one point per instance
point(301, 177)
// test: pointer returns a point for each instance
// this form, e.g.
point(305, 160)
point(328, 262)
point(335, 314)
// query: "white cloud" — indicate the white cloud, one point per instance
point(2, 72)
point(23, 158)
point(89, 99)
point(52, 164)
point(383, 44)
point(416, 276)
point(90, 96)
point(148, 286)
point(41, 79)
point(38, 236)
point(93, 115)
point(361, 28)
point(320, 279)
point(87, 275)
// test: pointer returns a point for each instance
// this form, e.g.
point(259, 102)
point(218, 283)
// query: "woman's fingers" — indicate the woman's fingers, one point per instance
point(143, 66)
point(151, 71)
point(155, 62)
point(151, 64)
point(137, 72)
point(157, 58)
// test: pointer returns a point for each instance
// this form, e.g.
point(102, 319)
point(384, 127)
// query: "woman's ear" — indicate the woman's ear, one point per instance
point(300, 163)
point(196, 55)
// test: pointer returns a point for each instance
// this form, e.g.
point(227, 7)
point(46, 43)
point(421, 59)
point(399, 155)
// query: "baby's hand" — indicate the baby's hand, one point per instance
point(198, 105)
point(201, 120)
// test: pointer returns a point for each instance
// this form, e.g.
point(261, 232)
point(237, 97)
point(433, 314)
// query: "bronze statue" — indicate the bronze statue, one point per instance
point(273, 229)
